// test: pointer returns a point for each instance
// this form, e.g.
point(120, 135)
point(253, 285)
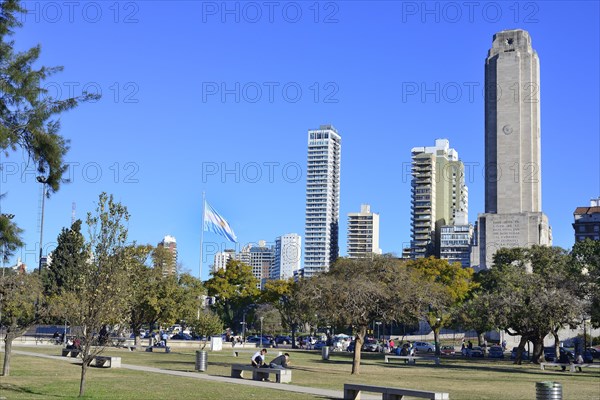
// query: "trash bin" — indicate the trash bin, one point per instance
point(325, 352)
point(201, 360)
point(548, 391)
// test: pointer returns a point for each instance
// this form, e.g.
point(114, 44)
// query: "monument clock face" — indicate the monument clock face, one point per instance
point(507, 129)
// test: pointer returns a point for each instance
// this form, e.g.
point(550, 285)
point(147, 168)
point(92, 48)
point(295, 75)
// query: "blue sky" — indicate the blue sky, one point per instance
point(193, 89)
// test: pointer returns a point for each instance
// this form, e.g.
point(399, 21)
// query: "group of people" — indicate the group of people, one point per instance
point(159, 339)
point(279, 362)
point(405, 349)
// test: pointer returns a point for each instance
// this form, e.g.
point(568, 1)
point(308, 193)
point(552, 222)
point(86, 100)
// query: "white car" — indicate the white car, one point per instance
point(424, 347)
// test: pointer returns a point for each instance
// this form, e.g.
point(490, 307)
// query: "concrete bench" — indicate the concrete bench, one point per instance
point(352, 392)
point(571, 366)
point(106, 362)
point(152, 349)
point(411, 359)
point(70, 352)
point(258, 374)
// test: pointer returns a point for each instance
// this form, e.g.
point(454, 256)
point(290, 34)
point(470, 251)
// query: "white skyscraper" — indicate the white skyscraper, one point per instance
point(322, 199)
point(288, 249)
point(221, 258)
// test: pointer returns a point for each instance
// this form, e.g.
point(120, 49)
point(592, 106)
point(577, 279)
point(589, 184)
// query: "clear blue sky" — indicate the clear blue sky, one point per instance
point(160, 129)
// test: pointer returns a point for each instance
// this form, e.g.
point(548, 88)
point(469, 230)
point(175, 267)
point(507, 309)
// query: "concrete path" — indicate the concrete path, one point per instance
point(325, 393)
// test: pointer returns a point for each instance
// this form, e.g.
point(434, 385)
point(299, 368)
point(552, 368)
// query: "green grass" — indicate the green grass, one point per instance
point(463, 379)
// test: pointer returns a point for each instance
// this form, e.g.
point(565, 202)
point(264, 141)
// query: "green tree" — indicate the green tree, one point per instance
point(451, 286)
point(100, 296)
point(366, 290)
point(585, 259)
point(18, 296)
point(144, 304)
point(10, 237)
point(189, 298)
point(235, 290)
point(69, 255)
point(534, 294)
point(206, 324)
point(285, 296)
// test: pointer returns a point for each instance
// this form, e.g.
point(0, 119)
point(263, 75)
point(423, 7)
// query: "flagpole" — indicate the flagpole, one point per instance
point(202, 232)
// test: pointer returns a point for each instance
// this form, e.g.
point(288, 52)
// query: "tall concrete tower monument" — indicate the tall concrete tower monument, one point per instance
point(513, 186)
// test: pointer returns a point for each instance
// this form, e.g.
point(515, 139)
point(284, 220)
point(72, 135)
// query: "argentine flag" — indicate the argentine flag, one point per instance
point(213, 222)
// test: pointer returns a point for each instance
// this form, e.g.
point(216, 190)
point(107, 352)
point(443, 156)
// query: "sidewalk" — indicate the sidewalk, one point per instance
point(325, 393)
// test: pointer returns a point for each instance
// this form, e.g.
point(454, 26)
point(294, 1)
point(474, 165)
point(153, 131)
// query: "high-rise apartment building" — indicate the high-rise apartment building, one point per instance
point(221, 258)
point(513, 181)
point(438, 192)
point(363, 233)
point(322, 200)
point(587, 221)
point(455, 240)
point(288, 249)
point(169, 243)
point(260, 258)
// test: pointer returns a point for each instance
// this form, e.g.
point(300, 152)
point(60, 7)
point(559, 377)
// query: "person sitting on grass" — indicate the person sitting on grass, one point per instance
point(258, 359)
point(280, 362)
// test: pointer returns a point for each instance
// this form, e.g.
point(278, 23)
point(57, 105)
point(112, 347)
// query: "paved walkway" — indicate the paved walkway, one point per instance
point(325, 393)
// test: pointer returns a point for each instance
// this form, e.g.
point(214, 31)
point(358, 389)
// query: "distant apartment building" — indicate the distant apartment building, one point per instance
point(587, 221)
point(221, 258)
point(286, 261)
point(455, 241)
point(363, 233)
point(321, 246)
point(438, 192)
point(169, 243)
point(260, 258)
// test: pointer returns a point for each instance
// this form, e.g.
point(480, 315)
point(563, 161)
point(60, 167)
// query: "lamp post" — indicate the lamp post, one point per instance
point(261, 323)
point(43, 180)
point(243, 323)
point(378, 324)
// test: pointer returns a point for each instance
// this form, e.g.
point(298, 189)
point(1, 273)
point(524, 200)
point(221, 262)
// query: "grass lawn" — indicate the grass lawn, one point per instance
point(463, 379)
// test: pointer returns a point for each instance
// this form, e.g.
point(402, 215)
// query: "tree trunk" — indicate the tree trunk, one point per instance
point(520, 350)
point(294, 326)
point(7, 353)
point(84, 367)
point(556, 345)
point(436, 339)
point(538, 349)
point(362, 331)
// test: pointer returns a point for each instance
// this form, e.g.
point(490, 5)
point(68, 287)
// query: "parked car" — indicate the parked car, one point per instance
point(372, 346)
point(495, 352)
point(304, 340)
point(283, 339)
point(447, 350)
point(181, 336)
point(594, 351)
point(524, 356)
point(477, 352)
point(424, 347)
point(260, 341)
point(588, 357)
point(320, 344)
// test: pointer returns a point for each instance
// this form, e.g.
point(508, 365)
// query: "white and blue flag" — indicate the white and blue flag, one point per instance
point(213, 222)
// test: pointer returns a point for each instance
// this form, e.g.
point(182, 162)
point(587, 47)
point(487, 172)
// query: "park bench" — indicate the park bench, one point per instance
point(411, 359)
point(70, 352)
point(571, 366)
point(258, 374)
point(352, 392)
point(106, 362)
point(152, 349)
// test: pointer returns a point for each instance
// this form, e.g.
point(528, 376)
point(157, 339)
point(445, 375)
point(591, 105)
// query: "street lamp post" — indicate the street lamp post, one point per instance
point(261, 323)
point(378, 324)
point(43, 180)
